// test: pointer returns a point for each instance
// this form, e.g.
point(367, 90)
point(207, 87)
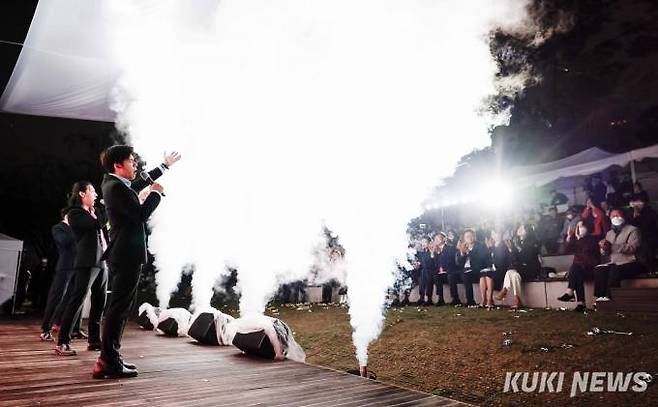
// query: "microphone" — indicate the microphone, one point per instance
point(146, 177)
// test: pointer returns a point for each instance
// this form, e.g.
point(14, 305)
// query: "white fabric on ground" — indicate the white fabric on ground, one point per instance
point(182, 317)
point(276, 330)
point(152, 313)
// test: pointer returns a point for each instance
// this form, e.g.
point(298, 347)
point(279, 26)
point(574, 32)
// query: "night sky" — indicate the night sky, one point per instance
point(599, 88)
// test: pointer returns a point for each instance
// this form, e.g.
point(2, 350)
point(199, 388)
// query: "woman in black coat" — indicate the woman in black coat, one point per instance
point(89, 274)
point(473, 258)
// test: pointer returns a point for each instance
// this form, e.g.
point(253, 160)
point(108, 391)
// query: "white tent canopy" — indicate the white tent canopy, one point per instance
point(66, 67)
point(586, 162)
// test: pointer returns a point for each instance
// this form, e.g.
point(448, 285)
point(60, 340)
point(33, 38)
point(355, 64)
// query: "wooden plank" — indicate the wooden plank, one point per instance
point(176, 371)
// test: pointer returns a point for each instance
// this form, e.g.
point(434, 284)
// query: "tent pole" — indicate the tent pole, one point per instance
point(633, 176)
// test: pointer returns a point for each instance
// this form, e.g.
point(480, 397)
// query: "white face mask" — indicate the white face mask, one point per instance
point(582, 231)
point(570, 217)
point(617, 221)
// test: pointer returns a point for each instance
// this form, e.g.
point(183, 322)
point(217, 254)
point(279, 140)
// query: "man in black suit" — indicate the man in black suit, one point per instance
point(65, 242)
point(127, 249)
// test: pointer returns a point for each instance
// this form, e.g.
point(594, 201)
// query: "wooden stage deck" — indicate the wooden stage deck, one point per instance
point(177, 372)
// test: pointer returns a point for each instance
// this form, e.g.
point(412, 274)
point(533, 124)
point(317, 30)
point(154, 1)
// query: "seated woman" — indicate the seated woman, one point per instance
point(586, 256)
point(525, 264)
point(621, 245)
point(505, 278)
point(472, 257)
point(594, 214)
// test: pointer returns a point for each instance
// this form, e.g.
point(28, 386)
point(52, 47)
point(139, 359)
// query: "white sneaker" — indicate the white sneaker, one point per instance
point(602, 299)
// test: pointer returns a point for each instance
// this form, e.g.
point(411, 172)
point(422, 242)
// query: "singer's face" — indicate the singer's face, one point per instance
point(88, 197)
point(128, 168)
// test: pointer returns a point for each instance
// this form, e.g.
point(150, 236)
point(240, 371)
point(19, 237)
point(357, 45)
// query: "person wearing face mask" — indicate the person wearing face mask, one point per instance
point(621, 245)
point(586, 256)
point(646, 219)
point(595, 215)
point(568, 227)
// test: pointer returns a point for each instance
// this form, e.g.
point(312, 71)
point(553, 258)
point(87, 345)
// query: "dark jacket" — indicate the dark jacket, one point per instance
point(87, 231)
point(647, 222)
point(127, 219)
point(65, 242)
point(479, 256)
point(502, 258)
point(448, 258)
point(586, 253)
point(526, 259)
point(429, 264)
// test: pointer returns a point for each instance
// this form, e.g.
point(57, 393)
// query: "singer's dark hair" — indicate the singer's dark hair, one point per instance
point(115, 155)
point(74, 196)
point(64, 211)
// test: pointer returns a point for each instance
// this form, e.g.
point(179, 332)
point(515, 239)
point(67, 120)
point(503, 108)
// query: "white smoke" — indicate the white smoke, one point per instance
point(293, 113)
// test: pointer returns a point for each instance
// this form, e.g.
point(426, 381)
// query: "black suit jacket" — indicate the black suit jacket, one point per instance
point(65, 242)
point(87, 230)
point(448, 258)
point(480, 258)
point(127, 219)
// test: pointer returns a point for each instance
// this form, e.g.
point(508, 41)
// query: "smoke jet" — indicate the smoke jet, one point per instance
point(291, 115)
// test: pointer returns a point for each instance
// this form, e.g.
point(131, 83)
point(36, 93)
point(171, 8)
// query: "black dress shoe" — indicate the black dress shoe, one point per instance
point(566, 298)
point(79, 335)
point(127, 365)
point(94, 346)
point(104, 370)
point(440, 303)
point(580, 308)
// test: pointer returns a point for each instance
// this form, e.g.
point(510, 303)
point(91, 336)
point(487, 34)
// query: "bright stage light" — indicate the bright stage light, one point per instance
point(498, 192)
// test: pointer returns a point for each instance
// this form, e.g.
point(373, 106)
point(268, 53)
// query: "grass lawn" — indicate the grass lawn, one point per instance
point(459, 353)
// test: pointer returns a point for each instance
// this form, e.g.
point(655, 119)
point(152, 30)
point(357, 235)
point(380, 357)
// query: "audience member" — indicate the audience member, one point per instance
point(472, 257)
point(448, 265)
point(586, 257)
point(503, 258)
point(558, 198)
point(549, 229)
point(571, 220)
point(595, 215)
point(598, 189)
point(429, 264)
point(639, 193)
point(621, 245)
point(644, 217)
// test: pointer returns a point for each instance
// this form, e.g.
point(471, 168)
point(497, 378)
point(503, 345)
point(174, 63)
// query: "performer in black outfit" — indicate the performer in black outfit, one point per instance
point(65, 242)
point(127, 249)
point(90, 272)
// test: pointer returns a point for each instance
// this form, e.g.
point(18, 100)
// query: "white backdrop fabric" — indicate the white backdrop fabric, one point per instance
point(65, 68)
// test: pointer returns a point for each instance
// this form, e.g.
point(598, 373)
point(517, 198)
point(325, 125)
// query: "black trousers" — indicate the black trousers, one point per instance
point(577, 281)
point(465, 278)
point(439, 280)
point(84, 280)
point(418, 279)
point(62, 281)
point(125, 280)
point(426, 287)
point(610, 276)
